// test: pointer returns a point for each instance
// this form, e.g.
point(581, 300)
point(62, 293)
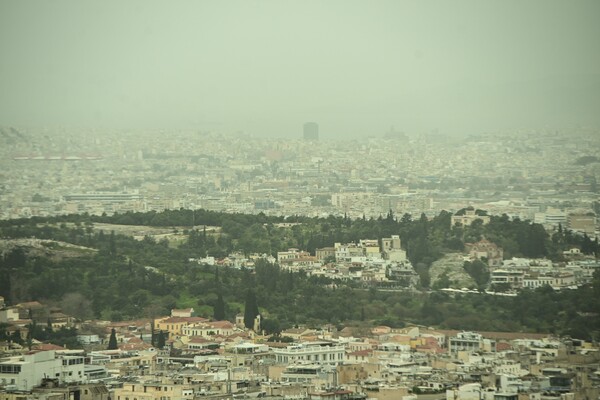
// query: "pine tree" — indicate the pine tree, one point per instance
point(112, 342)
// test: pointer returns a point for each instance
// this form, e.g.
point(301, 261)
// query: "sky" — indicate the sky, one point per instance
point(265, 67)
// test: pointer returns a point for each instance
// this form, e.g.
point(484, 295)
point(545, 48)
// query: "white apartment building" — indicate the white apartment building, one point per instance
point(345, 252)
point(309, 374)
point(392, 249)
point(311, 352)
point(556, 280)
point(502, 276)
point(291, 254)
point(470, 341)
point(27, 371)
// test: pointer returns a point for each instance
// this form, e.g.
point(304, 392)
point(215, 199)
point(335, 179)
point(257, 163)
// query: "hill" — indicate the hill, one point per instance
point(448, 271)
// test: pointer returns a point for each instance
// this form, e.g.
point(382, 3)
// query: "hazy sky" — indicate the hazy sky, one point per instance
point(266, 67)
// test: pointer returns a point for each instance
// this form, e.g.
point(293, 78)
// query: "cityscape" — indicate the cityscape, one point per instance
point(299, 200)
point(530, 175)
point(190, 354)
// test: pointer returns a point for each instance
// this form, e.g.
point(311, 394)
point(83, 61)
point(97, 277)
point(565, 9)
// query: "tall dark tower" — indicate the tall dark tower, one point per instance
point(311, 131)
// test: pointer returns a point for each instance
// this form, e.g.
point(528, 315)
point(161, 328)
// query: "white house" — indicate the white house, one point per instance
point(27, 371)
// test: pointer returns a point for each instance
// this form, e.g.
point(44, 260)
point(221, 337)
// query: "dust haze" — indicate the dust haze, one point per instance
point(266, 67)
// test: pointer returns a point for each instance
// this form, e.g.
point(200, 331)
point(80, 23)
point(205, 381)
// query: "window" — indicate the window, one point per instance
point(10, 369)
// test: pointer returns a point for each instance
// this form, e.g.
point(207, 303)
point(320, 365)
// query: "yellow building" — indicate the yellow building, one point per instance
point(154, 391)
point(174, 325)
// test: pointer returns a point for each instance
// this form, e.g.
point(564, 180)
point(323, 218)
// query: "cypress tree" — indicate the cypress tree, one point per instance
point(160, 341)
point(250, 309)
point(112, 342)
point(219, 310)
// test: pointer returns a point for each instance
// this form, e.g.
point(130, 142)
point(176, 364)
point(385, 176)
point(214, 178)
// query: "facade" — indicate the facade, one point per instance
point(312, 352)
point(291, 255)
point(468, 217)
point(103, 197)
point(470, 341)
point(365, 248)
point(154, 391)
point(175, 325)
point(392, 249)
point(311, 131)
point(403, 271)
point(370, 248)
point(306, 374)
point(345, 252)
point(30, 370)
point(324, 253)
point(207, 329)
point(486, 249)
point(556, 280)
point(504, 276)
point(185, 313)
point(582, 222)
point(9, 314)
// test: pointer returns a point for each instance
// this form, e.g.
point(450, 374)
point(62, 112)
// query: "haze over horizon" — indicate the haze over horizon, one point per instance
point(266, 67)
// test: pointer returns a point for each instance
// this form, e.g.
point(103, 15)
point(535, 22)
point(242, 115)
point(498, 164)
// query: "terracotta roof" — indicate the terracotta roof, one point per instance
point(47, 346)
point(503, 346)
point(198, 339)
point(362, 353)
point(176, 320)
point(30, 304)
point(221, 324)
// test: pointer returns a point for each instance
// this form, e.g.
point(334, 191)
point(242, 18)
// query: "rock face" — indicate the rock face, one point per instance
point(52, 249)
point(450, 265)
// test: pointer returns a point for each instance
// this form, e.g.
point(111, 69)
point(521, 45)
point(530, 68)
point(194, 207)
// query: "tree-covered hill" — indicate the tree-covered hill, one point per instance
point(128, 278)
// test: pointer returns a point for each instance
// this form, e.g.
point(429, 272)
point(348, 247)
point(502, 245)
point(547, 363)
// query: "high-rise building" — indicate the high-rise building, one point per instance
point(311, 131)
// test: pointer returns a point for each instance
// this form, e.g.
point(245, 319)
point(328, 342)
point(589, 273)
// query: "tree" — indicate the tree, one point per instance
point(15, 337)
point(5, 285)
point(112, 342)
point(250, 309)
point(219, 309)
point(479, 271)
point(112, 244)
point(160, 340)
point(77, 305)
point(271, 326)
